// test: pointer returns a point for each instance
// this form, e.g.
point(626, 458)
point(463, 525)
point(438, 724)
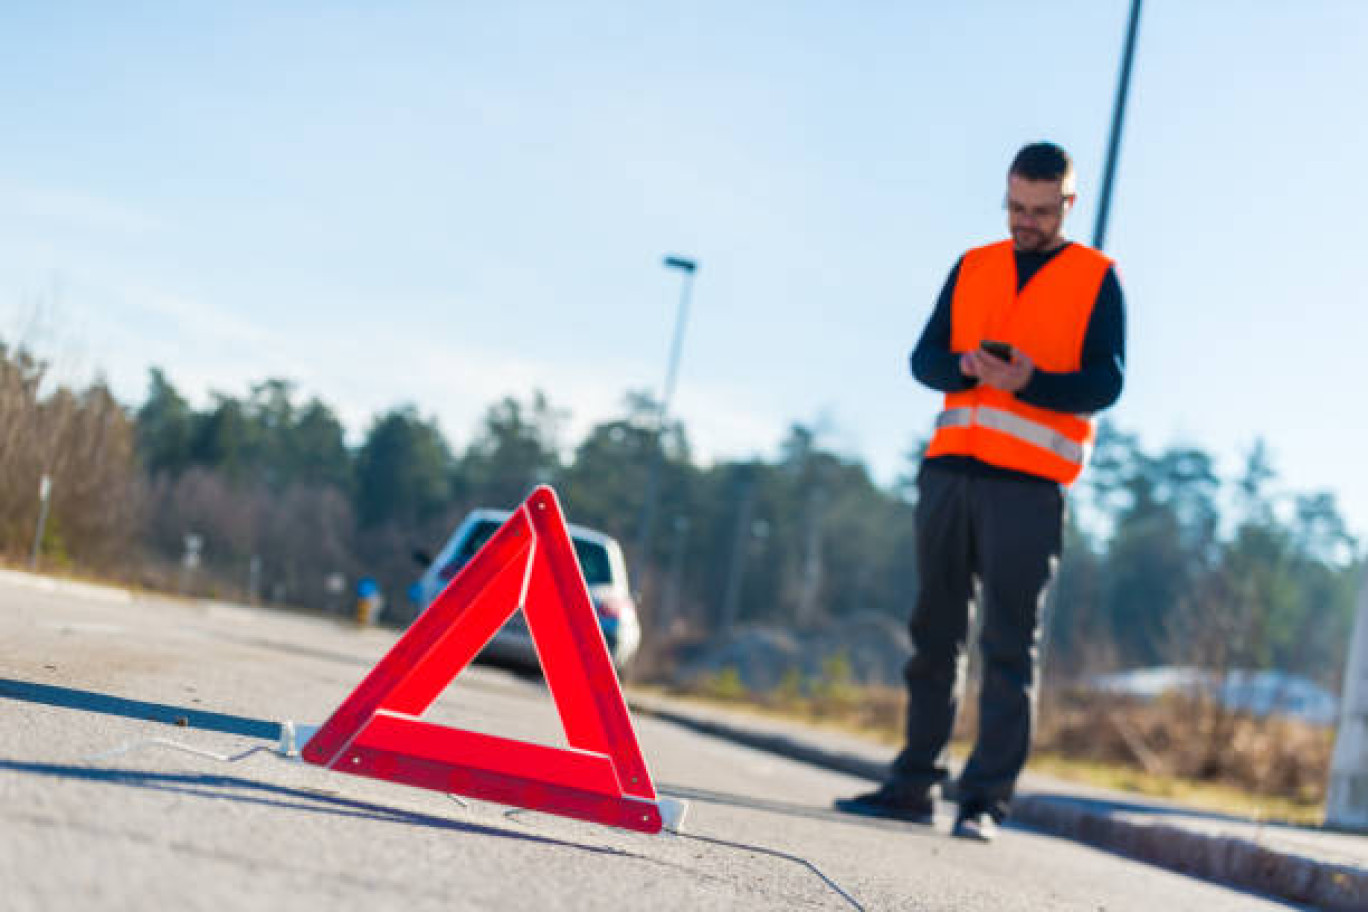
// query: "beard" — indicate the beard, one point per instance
point(1029, 239)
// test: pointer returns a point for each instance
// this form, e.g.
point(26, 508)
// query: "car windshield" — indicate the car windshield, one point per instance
point(592, 557)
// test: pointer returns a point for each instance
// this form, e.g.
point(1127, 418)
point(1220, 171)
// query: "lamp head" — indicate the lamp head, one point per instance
point(682, 263)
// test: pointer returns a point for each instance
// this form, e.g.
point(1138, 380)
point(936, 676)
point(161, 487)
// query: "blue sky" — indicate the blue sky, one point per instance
point(444, 203)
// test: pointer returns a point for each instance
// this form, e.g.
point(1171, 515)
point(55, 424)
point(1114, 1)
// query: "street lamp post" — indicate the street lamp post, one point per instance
point(687, 268)
point(1118, 119)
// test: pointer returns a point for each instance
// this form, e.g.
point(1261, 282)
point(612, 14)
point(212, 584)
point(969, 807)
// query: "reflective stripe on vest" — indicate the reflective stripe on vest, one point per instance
point(1013, 425)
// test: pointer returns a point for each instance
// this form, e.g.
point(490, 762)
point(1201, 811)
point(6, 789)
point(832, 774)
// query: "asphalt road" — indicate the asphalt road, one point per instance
point(84, 674)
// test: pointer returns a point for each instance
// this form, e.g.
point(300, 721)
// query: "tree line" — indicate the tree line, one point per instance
point(1166, 560)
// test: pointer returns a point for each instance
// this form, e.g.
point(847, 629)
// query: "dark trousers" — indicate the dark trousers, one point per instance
point(1004, 534)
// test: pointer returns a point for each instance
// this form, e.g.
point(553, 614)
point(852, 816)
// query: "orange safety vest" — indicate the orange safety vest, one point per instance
point(1047, 320)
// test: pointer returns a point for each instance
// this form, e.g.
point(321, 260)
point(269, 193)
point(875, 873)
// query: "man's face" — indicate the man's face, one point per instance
point(1035, 212)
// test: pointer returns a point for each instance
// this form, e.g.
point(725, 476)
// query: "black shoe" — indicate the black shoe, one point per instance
point(978, 826)
point(887, 804)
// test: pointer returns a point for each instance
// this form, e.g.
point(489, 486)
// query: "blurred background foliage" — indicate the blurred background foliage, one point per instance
point(1168, 561)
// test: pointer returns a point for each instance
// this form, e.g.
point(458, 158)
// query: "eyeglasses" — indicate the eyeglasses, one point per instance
point(1037, 212)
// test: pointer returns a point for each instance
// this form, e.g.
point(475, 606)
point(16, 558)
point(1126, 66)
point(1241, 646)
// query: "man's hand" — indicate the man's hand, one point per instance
point(1006, 376)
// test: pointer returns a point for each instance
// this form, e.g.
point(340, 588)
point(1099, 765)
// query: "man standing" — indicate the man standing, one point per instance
point(1027, 341)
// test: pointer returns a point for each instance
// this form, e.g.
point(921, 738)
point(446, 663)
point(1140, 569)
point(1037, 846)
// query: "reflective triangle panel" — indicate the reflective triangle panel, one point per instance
point(529, 563)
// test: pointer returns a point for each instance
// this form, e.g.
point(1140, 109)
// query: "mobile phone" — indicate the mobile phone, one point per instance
point(1000, 350)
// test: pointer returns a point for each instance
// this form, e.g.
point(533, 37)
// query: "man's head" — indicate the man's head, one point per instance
point(1040, 193)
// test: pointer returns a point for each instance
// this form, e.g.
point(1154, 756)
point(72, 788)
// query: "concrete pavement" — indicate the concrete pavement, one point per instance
point(1302, 865)
point(1305, 865)
point(97, 811)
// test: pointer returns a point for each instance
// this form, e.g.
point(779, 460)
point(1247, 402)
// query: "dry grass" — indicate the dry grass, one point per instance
point(1180, 750)
point(1189, 793)
point(1191, 740)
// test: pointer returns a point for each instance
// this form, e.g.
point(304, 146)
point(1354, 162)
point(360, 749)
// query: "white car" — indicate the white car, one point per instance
point(605, 572)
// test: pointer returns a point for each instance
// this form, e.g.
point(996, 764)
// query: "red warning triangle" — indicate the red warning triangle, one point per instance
point(529, 563)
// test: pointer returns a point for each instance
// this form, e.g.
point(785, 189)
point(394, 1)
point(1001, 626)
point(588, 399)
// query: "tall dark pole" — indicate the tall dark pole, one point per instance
point(688, 268)
point(1118, 119)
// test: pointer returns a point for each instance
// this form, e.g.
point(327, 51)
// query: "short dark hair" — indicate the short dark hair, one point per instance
point(1044, 161)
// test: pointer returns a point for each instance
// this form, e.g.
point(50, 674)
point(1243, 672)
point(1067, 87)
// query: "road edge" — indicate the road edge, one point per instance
point(1227, 860)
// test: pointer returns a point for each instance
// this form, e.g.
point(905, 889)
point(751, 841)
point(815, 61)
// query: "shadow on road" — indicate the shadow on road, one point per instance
point(776, 807)
point(1099, 805)
point(250, 791)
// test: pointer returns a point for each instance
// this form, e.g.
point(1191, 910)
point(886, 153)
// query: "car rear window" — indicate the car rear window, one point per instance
point(593, 560)
point(592, 557)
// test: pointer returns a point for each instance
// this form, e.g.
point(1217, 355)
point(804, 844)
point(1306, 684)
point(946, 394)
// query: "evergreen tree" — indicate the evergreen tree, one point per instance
point(403, 471)
point(165, 427)
point(317, 451)
point(517, 448)
point(223, 439)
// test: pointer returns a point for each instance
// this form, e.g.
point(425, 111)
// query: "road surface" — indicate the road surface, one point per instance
point(94, 816)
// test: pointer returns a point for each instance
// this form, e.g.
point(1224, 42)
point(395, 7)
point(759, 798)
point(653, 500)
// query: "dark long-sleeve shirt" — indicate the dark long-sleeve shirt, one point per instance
point(1093, 387)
